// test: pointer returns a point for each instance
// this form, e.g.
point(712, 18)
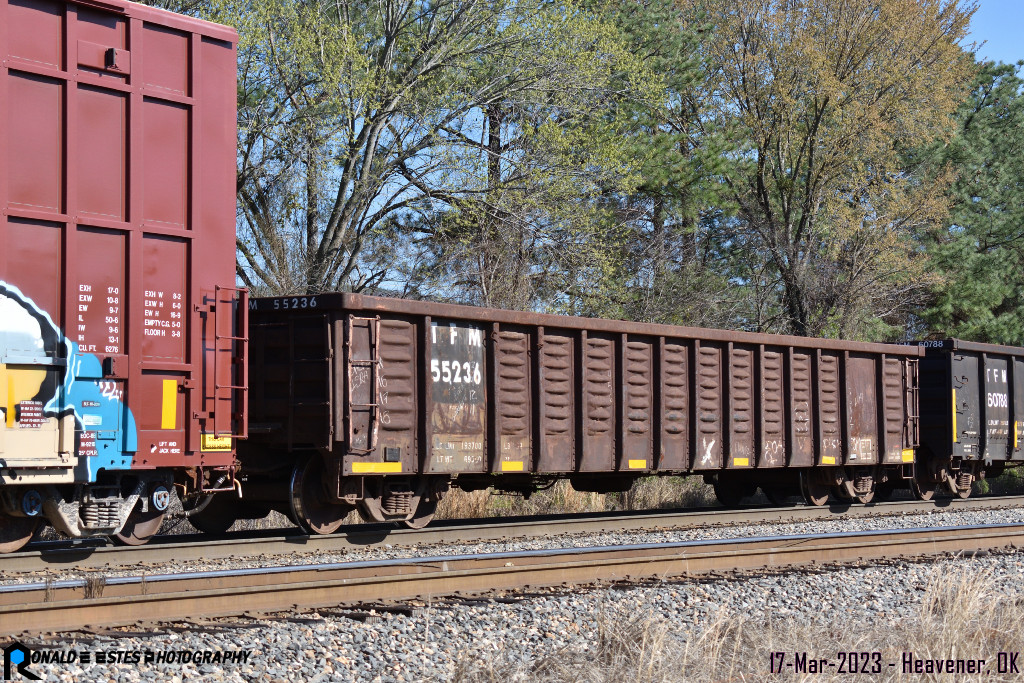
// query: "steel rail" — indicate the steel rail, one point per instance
point(174, 549)
point(73, 605)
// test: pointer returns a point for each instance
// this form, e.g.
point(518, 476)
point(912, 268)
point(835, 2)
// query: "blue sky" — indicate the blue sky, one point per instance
point(1001, 24)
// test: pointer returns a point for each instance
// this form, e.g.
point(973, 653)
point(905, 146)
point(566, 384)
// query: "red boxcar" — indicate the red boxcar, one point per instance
point(120, 356)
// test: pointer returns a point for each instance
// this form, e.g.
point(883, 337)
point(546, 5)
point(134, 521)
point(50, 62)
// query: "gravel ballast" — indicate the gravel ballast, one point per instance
point(433, 640)
point(445, 638)
point(385, 551)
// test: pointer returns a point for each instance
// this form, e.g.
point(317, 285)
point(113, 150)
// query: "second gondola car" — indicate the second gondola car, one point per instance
point(972, 412)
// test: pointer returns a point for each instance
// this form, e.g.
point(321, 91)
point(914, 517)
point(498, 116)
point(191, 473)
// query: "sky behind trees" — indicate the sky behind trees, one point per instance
point(999, 24)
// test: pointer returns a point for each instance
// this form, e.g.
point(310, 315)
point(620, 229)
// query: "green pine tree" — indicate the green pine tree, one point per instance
point(979, 256)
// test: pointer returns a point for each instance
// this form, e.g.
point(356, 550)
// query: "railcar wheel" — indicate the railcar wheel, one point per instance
point(840, 493)
point(140, 526)
point(15, 532)
point(311, 508)
point(214, 515)
point(781, 495)
point(143, 524)
point(253, 511)
point(424, 514)
point(371, 511)
point(729, 494)
point(814, 493)
point(884, 491)
point(922, 491)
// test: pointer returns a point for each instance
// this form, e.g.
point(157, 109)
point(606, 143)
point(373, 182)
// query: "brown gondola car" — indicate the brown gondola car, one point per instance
point(383, 403)
point(972, 413)
point(121, 350)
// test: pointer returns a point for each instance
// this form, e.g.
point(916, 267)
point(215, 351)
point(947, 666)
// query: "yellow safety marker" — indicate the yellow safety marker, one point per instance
point(741, 462)
point(828, 460)
point(376, 467)
point(10, 401)
point(512, 466)
point(216, 443)
point(638, 464)
point(1016, 434)
point(956, 439)
point(169, 415)
point(908, 455)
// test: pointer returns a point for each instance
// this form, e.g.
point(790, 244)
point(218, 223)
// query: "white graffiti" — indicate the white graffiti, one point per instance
point(829, 444)
point(708, 447)
point(772, 450)
point(20, 330)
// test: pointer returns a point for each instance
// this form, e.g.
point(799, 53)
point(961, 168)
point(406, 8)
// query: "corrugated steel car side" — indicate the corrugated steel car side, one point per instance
point(387, 386)
point(972, 409)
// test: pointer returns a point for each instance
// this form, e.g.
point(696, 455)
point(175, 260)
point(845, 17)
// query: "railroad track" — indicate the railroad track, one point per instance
point(89, 555)
point(77, 604)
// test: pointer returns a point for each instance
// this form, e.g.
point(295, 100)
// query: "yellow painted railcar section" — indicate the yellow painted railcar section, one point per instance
point(956, 439)
point(376, 467)
point(169, 412)
point(19, 384)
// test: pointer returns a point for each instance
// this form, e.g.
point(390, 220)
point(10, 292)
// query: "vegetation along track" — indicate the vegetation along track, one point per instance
point(50, 555)
point(72, 605)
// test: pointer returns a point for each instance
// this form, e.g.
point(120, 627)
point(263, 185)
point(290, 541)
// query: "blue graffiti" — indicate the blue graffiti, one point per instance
point(107, 437)
point(99, 411)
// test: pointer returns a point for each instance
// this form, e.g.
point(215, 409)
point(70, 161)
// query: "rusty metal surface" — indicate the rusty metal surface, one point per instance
point(410, 307)
point(504, 392)
point(164, 550)
point(598, 418)
point(556, 401)
point(773, 410)
point(458, 373)
point(805, 402)
point(511, 424)
point(64, 607)
point(674, 445)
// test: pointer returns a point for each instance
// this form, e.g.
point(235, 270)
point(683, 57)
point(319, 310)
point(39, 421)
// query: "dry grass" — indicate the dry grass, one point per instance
point(647, 494)
point(962, 615)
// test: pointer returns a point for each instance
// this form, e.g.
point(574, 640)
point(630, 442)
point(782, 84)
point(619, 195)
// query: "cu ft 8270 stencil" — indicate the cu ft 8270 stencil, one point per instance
point(122, 354)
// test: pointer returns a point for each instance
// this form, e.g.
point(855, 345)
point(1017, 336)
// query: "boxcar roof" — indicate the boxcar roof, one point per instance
point(163, 17)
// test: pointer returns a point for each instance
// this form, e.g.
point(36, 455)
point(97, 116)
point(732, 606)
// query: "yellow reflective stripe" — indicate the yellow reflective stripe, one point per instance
point(740, 462)
point(10, 401)
point(637, 464)
point(169, 414)
point(956, 439)
point(376, 467)
point(1016, 434)
point(512, 466)
point(908, 455)
point(828, 460)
